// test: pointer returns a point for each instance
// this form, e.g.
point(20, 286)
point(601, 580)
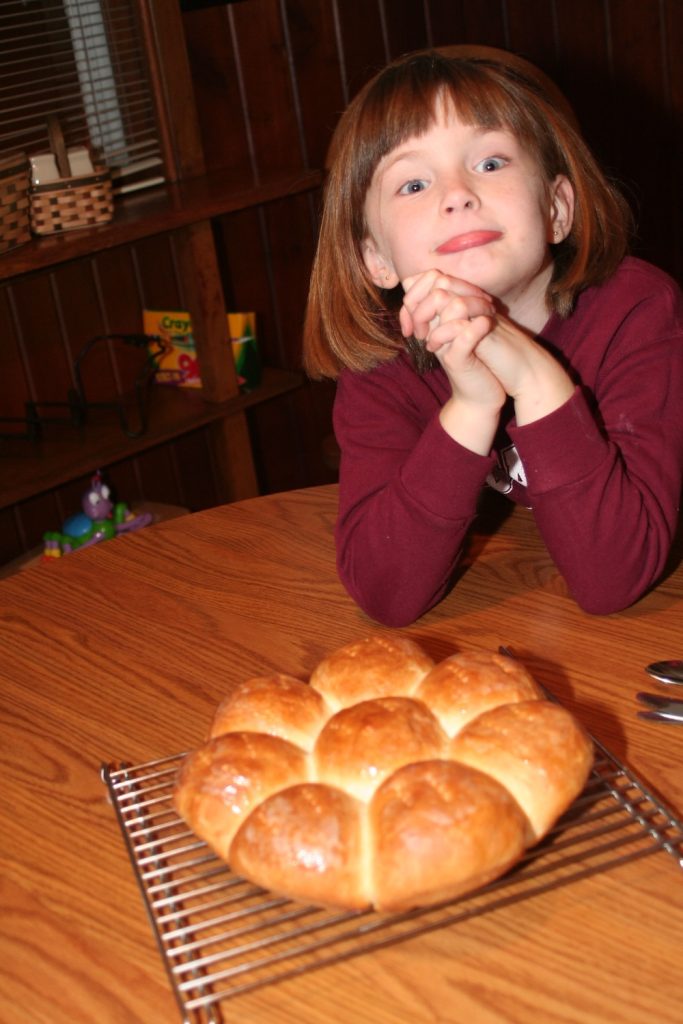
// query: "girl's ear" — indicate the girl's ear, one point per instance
point(561, 209)
point(381, 272)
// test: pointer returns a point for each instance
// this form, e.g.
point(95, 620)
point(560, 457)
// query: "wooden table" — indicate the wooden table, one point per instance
point(120, 653)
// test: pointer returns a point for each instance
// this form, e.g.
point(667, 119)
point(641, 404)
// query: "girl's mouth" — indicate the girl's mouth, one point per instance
point(468, 240)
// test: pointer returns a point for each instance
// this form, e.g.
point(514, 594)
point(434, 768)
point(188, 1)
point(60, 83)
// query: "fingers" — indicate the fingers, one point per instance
point(432, 298)
point(468, 333)
point(421, 284)
point(441, 318)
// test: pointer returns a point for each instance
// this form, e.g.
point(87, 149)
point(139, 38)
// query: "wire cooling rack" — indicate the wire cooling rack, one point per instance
point(221, 936)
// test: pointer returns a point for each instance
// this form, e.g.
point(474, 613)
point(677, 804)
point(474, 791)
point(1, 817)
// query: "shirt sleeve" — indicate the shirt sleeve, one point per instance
point(408, 494)
point(604, 471)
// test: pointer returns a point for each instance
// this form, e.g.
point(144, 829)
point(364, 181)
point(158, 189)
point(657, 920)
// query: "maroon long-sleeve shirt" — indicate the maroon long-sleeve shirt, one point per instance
point(602, 473)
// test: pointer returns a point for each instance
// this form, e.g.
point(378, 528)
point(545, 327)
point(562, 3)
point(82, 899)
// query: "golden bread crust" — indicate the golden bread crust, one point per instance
point(465, 685)
point(220, 783)
point(363, 744)
point(376, 666)
point(535, 748)
point(277, 705)
point(441, 828)
point(385, 781)
point(306, 839)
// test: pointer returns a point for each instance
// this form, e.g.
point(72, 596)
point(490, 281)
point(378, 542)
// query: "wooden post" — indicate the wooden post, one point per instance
point(200, 282)
point(201, 287)
point(203, 293)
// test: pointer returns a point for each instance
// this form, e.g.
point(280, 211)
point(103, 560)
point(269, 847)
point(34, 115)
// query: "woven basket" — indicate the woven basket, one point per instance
point(14, 204)
point(72, 203)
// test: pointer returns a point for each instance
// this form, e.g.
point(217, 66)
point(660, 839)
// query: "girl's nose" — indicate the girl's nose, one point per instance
point(458, 196)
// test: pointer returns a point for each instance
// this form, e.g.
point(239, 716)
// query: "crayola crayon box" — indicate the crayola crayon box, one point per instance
point(179, 365)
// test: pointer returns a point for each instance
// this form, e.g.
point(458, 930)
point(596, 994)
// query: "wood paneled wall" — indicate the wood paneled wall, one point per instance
point(270, 79)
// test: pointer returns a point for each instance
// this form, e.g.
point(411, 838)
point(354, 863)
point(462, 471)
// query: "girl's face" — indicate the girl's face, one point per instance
point(472, 203)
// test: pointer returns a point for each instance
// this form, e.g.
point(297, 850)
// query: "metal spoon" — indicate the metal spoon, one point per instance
point(669, 672)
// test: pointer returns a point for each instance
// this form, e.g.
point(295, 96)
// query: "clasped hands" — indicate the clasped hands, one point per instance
point(485, 354)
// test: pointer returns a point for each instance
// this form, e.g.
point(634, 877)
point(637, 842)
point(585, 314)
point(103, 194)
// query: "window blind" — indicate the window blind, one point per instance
point(84, 61)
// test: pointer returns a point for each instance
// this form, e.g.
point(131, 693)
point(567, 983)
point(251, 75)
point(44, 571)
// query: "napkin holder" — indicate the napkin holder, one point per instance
point(69, 201)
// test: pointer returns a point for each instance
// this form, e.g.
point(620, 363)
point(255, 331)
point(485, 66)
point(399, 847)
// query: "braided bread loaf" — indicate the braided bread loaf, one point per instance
point(387, 781)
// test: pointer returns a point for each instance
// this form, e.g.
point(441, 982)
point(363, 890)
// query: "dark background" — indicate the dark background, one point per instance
point(270, 79)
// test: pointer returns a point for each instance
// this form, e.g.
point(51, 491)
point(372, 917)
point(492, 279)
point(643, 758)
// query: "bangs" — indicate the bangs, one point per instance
point(405, 101)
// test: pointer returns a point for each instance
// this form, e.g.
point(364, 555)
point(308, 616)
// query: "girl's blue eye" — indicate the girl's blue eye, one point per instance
point(415, 185)
point(491, 163)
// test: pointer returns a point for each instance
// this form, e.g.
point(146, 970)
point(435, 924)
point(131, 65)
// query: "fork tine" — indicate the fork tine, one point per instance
point(662, 709)
point(656, 700)
point(661, 716)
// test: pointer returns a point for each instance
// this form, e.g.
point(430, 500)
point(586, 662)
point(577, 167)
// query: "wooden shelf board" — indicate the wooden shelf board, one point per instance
point(153, 211)
point(65, 452)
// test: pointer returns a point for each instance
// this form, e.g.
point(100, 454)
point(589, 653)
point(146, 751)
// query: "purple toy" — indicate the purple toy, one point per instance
point(100, 519)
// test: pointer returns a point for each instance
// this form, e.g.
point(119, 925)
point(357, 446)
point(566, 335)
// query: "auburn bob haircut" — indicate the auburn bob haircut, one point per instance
point(352, 323)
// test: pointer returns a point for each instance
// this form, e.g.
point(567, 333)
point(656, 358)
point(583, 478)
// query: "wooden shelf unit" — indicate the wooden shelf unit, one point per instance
point(186, 206)
point(156, 211)
point(29, 468)
point(65, 452)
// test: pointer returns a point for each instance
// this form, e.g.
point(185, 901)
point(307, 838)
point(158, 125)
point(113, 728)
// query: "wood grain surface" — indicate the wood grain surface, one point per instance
point(121, 652)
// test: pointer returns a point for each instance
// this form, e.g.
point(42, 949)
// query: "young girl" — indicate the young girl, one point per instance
point(473, 296)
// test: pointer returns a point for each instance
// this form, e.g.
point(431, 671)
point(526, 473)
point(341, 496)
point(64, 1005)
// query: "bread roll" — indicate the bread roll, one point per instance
point(465, 685)
point(377, 666)
point(306, 839)
point(536, 749)
point(363, 744)
point(441, 828)
point(220, 783)
point(277, 705)
point(385, 781)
